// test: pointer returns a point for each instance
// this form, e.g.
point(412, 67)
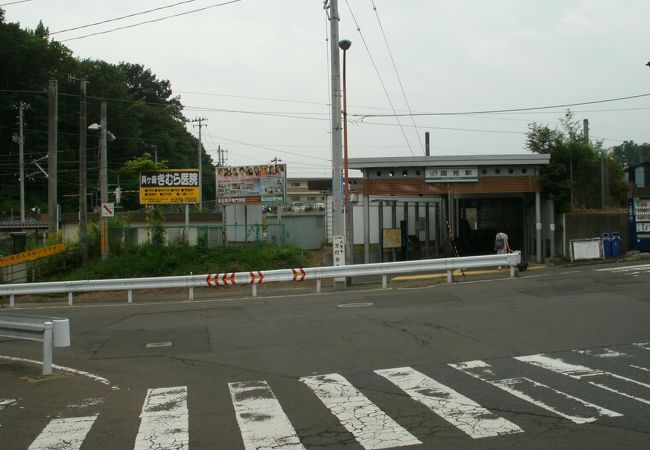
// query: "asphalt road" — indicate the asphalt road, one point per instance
point(556, 358)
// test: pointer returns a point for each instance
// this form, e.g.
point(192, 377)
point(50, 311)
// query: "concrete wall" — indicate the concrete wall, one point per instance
point(585, 225)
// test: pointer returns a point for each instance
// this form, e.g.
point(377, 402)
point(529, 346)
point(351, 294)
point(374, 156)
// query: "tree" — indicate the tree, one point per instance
point(631, 153)
point(573, 177)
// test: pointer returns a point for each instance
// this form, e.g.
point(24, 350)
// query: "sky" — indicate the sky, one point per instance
point(258, 70)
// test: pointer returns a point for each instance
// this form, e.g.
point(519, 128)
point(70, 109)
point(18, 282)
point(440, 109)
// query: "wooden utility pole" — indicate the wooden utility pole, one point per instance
point(83, 207)
point(52, 160)
point(21, 160)
point(200, 121)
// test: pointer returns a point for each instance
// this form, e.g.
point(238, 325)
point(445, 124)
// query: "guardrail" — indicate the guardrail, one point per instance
point(51, 331)
point(257, 277)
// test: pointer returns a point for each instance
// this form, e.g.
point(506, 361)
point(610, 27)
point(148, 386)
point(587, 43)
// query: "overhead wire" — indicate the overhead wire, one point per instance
point(150, 21)
point(399, 78)
point(381, 80)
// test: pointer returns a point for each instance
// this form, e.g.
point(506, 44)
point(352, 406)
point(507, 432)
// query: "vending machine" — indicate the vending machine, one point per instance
point(638, 211)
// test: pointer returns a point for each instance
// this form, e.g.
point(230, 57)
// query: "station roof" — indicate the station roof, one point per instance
point(519, 159)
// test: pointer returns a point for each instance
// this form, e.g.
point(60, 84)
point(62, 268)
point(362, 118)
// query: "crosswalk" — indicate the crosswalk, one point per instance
point(580, 386)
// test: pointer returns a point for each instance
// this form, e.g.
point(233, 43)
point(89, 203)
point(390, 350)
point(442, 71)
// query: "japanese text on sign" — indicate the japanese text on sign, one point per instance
point(338, 245)
point(451, 174)
point(178, 186)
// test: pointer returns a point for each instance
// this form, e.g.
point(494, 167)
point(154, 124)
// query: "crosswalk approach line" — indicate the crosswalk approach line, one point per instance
point(262, 421)
point(462, 412)
point(605, 380)
point(164, 421)
point(564, 405)
point(63, 433)
point(371, 427)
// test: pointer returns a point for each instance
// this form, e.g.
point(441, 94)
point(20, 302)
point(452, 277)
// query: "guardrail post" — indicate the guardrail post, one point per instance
point(254, 290)
point(70, 298)
point(12, 301)
point(191, 293)
point(318, 286)
point(47, 348)
point(450, 276)
point(384, 281)
point(130, 295)
point(512, 271)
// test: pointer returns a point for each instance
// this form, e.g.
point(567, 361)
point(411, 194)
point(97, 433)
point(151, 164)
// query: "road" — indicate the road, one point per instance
point(556, 358)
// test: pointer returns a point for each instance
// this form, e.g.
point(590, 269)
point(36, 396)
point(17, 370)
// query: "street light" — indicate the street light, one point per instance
point(345, 45)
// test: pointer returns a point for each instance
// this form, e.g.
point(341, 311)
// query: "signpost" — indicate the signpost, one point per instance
point(169, 187)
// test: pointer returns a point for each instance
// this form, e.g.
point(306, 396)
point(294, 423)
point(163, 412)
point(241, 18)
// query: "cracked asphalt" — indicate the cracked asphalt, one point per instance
point(328, 377)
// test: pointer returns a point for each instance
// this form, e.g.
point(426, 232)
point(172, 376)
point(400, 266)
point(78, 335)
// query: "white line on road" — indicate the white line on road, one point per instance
point(460, 411)
point(624, 268)
point(579, 372)
point(568, 406)
point(164, 420)
point(68, 433)
point(640, 368)
point(643, 345)
point(371, 426)
point(262, 422)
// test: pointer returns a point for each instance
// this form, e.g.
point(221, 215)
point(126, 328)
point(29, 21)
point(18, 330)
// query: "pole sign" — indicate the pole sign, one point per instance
point(169, 187)
point(252, 185)
point(108, 209)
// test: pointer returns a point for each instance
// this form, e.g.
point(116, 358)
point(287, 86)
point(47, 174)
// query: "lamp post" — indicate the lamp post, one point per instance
point(345, 45)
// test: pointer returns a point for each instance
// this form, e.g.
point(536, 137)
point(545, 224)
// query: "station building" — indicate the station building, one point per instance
point(452, 205)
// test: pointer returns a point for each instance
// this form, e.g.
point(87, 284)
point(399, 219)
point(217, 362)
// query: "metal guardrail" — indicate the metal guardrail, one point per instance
point(51, 331)
point(257, 277)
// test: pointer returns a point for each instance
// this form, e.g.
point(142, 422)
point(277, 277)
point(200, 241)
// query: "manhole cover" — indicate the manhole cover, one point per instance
point(355, 305)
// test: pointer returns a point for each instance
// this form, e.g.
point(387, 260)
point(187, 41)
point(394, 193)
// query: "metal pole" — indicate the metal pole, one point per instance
point(21, 161)
point(103, 177)
point(349, 256)
point(538, 227)
point(338, 225)
point(47, 348)
point(52, 160)
point(83, 209)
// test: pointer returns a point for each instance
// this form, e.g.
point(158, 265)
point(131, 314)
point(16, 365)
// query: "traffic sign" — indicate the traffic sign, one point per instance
point(108, 209)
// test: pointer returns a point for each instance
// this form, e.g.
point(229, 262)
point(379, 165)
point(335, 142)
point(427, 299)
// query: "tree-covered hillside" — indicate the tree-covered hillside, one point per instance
point(143, 114)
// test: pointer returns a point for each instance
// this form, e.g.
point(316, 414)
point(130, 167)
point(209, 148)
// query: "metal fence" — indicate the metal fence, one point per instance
point(254, 278)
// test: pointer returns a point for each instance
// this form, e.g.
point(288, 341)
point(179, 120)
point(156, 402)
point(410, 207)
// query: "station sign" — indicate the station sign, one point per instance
point(450, 174)
point(170, 187)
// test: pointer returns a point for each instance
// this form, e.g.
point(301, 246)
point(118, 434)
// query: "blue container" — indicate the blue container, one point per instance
point(607, 245)
point(616, 244)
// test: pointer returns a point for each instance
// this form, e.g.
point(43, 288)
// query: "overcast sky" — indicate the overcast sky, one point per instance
point(258, 70)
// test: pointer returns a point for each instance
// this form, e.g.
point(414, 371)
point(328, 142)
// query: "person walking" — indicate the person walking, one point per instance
point(501, 244)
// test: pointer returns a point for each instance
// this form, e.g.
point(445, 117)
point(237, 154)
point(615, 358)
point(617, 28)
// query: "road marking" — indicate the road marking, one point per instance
point(371, 426)
point(68, 433)
point(460, 411)
point(262, 421)
point(643, 345)
point(158, 344)
point(604, 353)
point(65, 369)
point(568, 406)
point(579, 372)
point(355, 305)
point(164, 420)
point(640, 368)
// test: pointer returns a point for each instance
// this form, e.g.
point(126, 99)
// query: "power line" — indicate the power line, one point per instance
point(150, 21)
point(15, 3)
point(122, 17)
point(566, 105)
point(372, 60)
point(399, 79)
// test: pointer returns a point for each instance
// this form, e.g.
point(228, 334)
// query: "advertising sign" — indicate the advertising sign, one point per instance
point(252, 184)
point(167, 187)
point(392, 237)
point(31, 255)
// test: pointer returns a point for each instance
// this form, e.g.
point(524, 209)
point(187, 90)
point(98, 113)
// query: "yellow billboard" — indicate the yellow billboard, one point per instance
point(168, 187)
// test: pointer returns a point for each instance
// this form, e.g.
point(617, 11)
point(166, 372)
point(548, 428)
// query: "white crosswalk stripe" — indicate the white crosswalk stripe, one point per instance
point(67, 433)
point(262, 421)
point(371, 427)
point(460, 411)
point(164, 420)
point(560, 403)
point(606, 380)
point(620, 371)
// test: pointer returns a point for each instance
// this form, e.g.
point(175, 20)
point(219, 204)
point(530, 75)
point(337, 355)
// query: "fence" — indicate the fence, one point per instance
point(257, 277)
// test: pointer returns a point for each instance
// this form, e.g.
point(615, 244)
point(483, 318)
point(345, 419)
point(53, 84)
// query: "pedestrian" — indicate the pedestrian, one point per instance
point(501, 244)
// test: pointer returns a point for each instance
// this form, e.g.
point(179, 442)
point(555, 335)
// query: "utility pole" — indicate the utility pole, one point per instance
point(21, 160)
point(103, 176)
point(338, 223)
point(52, 160)
point(83, 208)
point(200, 121)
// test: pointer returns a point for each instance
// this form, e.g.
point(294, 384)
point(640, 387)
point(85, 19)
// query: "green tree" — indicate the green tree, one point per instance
point(632, 153)
point(574, 172)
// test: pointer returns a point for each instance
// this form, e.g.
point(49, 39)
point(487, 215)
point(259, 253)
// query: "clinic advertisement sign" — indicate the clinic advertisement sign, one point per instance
point(252, 185)
point(169, 187)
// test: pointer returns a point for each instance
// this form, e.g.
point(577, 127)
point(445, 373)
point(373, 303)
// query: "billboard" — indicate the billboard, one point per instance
point(252, 184)
point(169, 187)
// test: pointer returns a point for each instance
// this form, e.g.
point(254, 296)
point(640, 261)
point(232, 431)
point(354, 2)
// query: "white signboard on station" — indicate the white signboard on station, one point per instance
point(450, 174)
